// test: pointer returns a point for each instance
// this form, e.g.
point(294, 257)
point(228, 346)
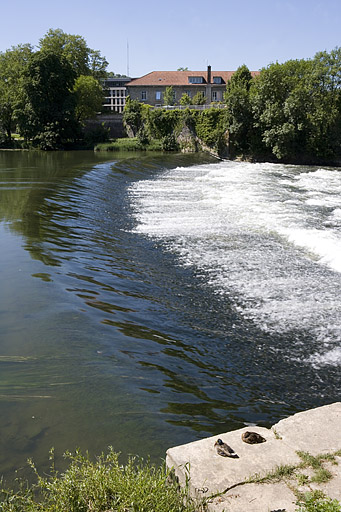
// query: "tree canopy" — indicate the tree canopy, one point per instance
point(46, 94)
point(297, 107)
point(12, 63)
point(290, 111)
point(75, 50)
point(237, 99)
point(48, 104)
point(89, 97)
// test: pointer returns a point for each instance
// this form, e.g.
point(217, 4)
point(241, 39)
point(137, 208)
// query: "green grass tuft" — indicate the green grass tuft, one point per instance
point(317, 501)
point(321, 476)
point(103, 485)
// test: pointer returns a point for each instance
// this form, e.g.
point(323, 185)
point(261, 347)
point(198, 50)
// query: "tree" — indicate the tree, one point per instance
point(282, 101)
point(75, 50)
point(97, 64)
point(132, 115)
point(12, 65)
point(237, 99)
point(199, 99)
point(88, 96)
point(185, 99)
point(168, 97)
point(48, 103)
point(297, 107)
point(182, 69)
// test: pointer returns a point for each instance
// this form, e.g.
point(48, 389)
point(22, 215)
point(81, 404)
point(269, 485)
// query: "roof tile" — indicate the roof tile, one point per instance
point(167, 78)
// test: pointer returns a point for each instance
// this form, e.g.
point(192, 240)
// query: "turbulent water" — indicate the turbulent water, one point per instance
point(268, 239)
point(151, 300)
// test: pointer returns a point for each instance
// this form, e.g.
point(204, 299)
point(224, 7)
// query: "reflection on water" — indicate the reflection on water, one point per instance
point(105, 339)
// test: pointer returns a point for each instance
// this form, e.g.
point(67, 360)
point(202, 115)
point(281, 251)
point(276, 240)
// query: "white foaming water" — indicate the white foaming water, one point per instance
point(267, 236)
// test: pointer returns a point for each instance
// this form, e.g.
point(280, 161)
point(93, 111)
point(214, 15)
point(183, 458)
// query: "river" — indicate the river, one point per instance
point(151, 300)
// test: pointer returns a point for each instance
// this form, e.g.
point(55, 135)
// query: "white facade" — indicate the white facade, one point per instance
point(115, 94)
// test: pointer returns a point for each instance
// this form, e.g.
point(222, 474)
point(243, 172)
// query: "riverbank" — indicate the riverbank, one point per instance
point(301, 455)
point(297, 468)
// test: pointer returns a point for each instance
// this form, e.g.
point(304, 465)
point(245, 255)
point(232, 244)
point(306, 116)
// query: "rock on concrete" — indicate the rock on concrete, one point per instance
point(315, 431)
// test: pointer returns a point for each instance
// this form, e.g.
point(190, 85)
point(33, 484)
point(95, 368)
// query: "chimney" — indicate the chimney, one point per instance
point(208, 74)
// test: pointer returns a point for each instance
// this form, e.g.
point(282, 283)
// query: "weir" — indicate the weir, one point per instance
point(297, 442)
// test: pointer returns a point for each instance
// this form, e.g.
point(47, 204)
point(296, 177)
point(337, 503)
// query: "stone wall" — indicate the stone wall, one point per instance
point(113, 121)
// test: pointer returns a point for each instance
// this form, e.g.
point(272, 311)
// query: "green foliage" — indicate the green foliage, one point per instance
point(316, 501)
point(96, 135)
point(102, 485)
point(165, 125)
point(74, 49)
point(168, 97)
point(97, 64)
point(12, 65)
point(46, 94)
point(199, 99)
point(132, 115)
point(185, 99)
point(89, 97)
point(169, 143)
point(47, 110)
point(161, 123)
point(297, 107)
point(130, 144)
point(237, 98)
point(210, 126)
point(142, 136)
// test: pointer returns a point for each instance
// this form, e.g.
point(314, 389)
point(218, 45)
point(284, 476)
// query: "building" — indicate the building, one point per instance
point(150, 88)
point(115, 93)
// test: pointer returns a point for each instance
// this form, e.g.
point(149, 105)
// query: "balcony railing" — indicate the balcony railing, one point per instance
point(192, 107)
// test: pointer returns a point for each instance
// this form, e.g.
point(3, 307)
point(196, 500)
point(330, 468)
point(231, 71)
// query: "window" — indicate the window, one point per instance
point(188, 93)
point(195, 79)
point(214, 96)
point(217, 80)
point(143, 95)
point(158, 95)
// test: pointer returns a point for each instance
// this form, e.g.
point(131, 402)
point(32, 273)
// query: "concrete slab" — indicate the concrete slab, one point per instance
point(315, 431)
point(254, 498)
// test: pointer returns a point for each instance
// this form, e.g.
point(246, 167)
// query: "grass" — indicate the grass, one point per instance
point(129, 144)
point(286, 473)
point(322, 474)
point(276, 475)
point(317, 501)
point(103, 485)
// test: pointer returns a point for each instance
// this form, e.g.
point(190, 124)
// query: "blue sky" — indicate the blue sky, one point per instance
point(164, 35)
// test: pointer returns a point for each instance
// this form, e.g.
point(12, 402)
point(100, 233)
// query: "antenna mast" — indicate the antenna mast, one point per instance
point(127, 58)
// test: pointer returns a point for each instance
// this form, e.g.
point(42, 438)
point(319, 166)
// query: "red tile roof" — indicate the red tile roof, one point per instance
point(167, 78)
